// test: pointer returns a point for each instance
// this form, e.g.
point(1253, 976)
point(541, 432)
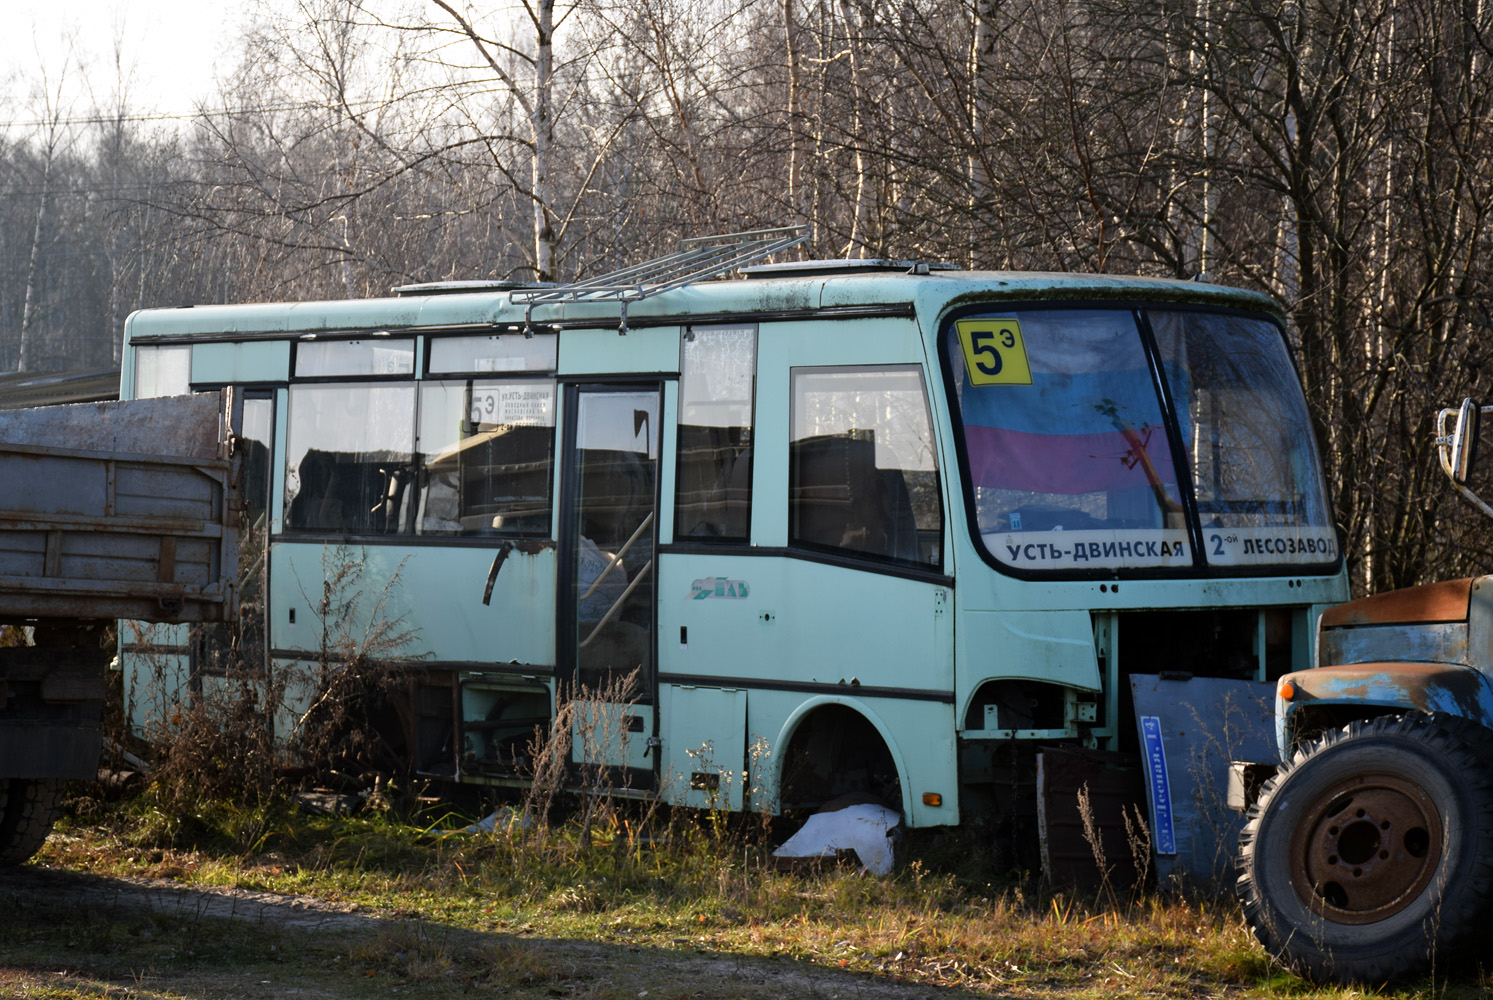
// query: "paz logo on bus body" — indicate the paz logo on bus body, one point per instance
point(718, 586)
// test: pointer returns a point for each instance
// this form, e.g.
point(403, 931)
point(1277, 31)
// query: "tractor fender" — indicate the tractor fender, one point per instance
point(1450, 689)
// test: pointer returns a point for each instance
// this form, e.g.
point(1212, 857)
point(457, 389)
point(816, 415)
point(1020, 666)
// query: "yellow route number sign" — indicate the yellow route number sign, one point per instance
point(994, 351)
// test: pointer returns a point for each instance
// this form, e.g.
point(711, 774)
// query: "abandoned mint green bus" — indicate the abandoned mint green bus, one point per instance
point(849, 526)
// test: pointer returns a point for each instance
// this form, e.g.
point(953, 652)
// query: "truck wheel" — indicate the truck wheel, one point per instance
point(30, 806)
point(1372, 849)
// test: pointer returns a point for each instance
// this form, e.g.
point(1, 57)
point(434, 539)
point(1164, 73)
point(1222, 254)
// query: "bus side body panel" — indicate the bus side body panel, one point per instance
point(1055, 647)
point(792, 633)
point(242, 364)
point(804, 632)
point(429, 595)
point(604, 351)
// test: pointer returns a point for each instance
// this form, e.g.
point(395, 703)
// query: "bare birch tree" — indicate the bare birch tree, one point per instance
point(54, 138)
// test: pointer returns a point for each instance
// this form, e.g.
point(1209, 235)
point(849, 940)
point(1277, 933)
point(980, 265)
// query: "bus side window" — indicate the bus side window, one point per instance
point(350, 457)
point(862, 476)
point(487, 453)
point(713, 498)
point(163, 370)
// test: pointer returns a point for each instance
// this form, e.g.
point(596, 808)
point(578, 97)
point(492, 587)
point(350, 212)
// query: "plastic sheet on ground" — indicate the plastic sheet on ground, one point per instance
point(505, 818)
point(865, 829)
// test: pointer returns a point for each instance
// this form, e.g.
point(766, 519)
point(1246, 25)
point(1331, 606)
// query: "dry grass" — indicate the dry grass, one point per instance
point(621, 914)
point(596, 895)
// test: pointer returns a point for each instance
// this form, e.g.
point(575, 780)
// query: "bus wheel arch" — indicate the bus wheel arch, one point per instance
point(1023, 702)
point(831, 747)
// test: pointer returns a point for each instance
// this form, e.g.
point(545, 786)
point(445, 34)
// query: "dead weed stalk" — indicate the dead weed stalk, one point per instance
point(225, 724)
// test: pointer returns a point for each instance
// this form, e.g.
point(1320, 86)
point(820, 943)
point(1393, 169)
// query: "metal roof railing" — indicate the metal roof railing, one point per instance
point(696, 259)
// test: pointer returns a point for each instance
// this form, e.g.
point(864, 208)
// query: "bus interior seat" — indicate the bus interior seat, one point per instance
point(737, 489)
point(702, 467)
point(842, 500)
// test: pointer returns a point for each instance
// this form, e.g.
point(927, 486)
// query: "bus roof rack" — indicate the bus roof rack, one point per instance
point(696, 259)
point(845, 265)
point(465, 285)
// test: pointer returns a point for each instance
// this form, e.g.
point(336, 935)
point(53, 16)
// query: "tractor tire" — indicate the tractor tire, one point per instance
point(30, 807)
point(1371, 852)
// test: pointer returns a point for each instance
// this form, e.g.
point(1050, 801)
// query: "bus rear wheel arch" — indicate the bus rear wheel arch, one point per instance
point(833, 752)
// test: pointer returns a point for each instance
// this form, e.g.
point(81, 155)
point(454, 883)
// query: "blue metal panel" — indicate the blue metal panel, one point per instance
point(1197, 727)
point(1420, 642)
point(1158, 786)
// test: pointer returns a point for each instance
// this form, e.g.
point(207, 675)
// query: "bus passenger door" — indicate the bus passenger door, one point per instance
point(607, 607)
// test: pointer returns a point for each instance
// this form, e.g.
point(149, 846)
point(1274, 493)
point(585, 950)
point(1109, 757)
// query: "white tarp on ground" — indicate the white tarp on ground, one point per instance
point(505, 818)
point(865, 829)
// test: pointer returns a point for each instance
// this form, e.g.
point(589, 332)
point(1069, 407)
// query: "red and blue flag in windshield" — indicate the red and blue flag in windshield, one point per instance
point(1068, 433)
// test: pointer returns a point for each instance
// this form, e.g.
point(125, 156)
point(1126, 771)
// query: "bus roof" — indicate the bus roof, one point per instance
point(767, 293)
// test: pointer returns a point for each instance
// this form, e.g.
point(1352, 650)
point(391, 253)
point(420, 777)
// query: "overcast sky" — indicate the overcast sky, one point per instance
point(170, 49)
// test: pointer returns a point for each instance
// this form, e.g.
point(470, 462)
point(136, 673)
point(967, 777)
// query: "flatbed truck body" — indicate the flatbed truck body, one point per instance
point(107, 511)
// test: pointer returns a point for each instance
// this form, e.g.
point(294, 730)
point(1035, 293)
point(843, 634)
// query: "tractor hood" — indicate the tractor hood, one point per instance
point(1432, 602)
point(1424, 649)
point(1434, 623)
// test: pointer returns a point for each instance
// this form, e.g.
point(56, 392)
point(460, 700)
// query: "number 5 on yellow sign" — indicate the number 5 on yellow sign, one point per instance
point(994, 351)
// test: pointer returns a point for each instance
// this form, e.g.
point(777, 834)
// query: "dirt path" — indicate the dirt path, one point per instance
point(592, 969)
point(172, 898)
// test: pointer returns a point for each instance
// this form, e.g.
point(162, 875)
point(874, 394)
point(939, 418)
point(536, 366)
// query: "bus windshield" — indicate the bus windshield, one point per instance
point(1073, 449)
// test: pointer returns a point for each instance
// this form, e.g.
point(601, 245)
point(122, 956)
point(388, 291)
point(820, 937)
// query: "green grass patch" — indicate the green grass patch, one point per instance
point(681, 906)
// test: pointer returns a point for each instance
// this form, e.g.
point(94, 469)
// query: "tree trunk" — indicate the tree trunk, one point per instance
point(982, 101)
point(27, 354)
point(544, 139)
